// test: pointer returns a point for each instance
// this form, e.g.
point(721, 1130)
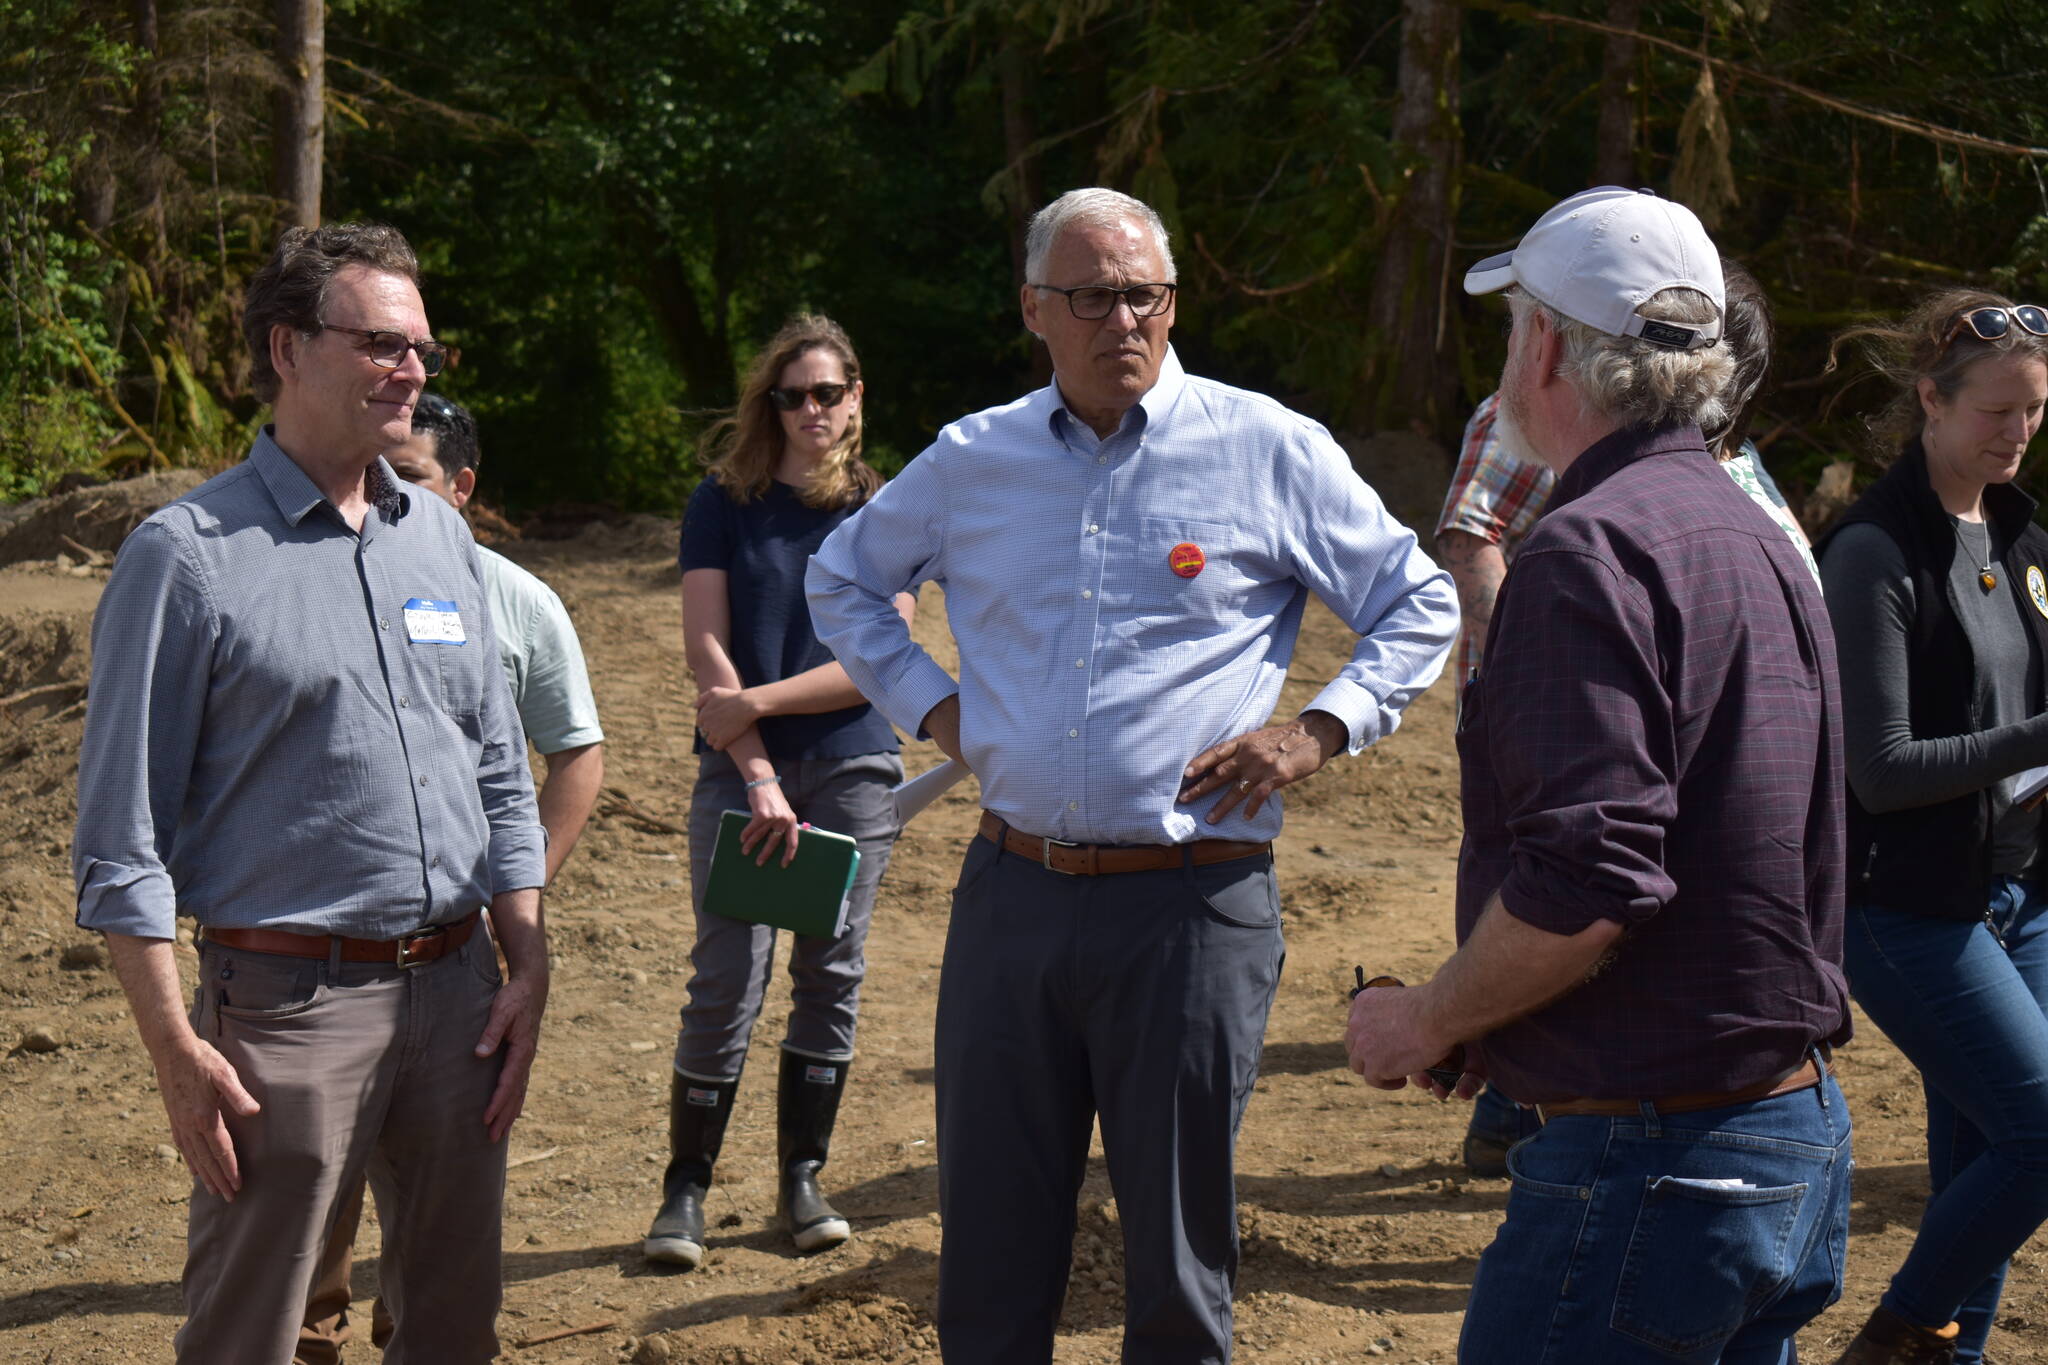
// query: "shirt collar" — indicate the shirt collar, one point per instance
point(296, 495)
point(1152, 407)
point(1617, 450)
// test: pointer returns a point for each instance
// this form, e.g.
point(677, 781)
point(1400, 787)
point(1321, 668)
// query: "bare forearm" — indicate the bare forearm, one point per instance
point(1478, 567)
point(149, 975)
point(518, 924)
point(824, 688)
point(1507, 969)
point(568, 795)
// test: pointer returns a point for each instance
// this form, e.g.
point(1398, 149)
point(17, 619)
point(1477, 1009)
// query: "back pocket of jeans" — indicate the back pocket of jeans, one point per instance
point(1703, 1258)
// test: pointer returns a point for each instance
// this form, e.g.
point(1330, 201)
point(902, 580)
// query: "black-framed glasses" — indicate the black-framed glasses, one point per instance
point(388, 348)
point(1989, 324)
point(828, 396)
point(1093, 302)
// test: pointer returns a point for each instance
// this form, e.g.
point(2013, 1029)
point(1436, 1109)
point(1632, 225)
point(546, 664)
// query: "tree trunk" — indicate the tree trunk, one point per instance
point(147, 139)
point(1614, 145)
point(299, 111)
point(1411, 376)
point(1026, 193)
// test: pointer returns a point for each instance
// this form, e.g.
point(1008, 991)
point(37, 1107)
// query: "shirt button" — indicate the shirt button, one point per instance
point(1087, 592)
point(1102, 459)
point(423, 779)
point(383, 623)
point(1073, 805)
point(434, 861)
point(1080, 663)
point(405, 701)
point(1073, 734)
point(1093, 529)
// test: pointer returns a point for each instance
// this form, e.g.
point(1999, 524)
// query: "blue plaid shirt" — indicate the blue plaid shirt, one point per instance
point(270, 742)
point(1123, 604)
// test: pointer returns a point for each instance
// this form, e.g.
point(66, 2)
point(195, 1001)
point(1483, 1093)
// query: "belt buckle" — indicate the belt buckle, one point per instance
point(407, 954)
point(1045, 853)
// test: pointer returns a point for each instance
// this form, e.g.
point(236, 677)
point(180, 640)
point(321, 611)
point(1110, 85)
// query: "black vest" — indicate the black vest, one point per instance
point(1936, 859)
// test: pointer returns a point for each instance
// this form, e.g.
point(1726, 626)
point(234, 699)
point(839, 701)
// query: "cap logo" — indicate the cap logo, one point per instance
point(1664, 334)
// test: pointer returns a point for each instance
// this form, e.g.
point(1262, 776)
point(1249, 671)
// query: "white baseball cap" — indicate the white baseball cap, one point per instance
point(1597, 256)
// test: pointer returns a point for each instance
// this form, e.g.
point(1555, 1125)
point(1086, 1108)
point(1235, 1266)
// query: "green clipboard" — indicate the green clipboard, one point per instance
point(807, 897)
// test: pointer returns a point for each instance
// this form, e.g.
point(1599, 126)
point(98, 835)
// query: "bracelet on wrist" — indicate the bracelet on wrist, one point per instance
point(772, 780)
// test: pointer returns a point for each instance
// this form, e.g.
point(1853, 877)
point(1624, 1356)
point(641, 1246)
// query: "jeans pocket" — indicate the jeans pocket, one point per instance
point(1703, 1258)
point(482, 955)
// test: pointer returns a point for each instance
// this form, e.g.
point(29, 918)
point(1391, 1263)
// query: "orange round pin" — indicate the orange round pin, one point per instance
point(1186, 559)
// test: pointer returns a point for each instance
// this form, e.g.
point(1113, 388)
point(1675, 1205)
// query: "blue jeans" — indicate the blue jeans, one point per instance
point(1701, 1237)
point(1968, 1004)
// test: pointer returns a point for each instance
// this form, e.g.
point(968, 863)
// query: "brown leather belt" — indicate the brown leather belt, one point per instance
point(1804, 1076)
point(408, 950)
point(1098, 860)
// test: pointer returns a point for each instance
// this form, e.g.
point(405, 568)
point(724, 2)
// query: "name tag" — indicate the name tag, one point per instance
point(433, 623)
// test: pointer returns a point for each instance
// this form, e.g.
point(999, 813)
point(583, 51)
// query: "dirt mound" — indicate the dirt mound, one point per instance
point(98, 518)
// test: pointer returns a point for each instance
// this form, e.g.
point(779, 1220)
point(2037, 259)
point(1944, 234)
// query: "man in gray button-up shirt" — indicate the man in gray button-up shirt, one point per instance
point(300, 736)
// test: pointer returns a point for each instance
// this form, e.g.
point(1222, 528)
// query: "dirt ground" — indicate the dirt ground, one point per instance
point(1360, 1229)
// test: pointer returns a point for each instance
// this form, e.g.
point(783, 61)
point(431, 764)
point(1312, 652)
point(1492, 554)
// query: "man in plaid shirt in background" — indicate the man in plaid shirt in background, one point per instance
point(1495, 497)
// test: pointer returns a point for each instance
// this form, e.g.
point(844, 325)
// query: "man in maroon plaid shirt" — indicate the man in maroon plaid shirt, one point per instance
point(1650, 888)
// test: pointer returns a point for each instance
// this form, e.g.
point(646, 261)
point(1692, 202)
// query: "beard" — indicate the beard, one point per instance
point(1509, 420)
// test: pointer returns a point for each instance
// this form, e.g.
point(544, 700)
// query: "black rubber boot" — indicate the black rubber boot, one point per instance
point(697, 1114)
point(807, 1105)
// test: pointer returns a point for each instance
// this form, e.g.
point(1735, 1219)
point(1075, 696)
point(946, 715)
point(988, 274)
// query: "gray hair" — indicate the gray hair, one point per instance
point(1638, 383)
point(1097, 208)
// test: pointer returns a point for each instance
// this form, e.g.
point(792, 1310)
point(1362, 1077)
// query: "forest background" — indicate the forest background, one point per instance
point(616, 201)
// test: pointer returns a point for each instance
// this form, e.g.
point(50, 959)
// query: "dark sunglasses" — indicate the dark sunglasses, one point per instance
point(1989, 324)
point(388, 348)
point(828, 396)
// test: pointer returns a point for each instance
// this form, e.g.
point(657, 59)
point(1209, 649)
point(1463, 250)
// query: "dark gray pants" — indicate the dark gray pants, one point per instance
point(731, 958)
point(1141, 997)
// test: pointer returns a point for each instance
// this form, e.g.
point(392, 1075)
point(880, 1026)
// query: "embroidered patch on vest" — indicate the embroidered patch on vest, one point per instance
point(2037, 589)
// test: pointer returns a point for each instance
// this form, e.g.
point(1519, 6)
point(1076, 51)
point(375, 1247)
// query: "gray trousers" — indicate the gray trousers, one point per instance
point(360, 1068)
point(731, 959)
point(1141, 997)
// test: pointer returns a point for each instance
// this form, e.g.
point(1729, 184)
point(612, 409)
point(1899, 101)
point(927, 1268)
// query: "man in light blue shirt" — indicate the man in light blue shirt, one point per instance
point(1126, 556)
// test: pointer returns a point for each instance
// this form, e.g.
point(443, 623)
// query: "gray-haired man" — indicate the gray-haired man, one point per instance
point(300, 736)
point(1126, 556)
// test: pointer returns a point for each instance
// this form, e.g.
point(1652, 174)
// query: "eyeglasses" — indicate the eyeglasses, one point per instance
point(1989, 324)
point(1093, 302)
point(828, 396)
point(388, 348)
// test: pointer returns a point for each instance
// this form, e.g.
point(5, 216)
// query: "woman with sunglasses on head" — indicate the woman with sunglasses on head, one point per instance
point(1937, 583)
point(782, 734)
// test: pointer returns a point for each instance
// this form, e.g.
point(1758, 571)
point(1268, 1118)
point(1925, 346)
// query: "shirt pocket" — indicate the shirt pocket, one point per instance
point(457, 674)
point(1183, 566)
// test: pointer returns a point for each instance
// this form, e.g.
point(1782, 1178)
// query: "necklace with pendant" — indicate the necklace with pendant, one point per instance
point(1986, 576)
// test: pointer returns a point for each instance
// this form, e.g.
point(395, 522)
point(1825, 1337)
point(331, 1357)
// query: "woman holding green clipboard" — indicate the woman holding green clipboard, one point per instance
point(783, 735)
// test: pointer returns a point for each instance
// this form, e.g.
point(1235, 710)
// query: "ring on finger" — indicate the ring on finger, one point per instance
point(1244, 784)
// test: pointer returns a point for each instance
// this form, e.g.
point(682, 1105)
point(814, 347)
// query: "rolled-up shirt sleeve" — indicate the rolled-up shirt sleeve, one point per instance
point(890, 546)
point(1584, 755)
point(152, 650)
point(1368, 568)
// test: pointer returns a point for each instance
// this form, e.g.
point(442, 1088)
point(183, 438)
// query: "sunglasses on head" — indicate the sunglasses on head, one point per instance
point(1989, 324)
point(789, 400)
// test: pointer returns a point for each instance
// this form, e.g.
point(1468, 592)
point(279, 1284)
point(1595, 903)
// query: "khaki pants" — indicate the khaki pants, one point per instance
point(360, 1069)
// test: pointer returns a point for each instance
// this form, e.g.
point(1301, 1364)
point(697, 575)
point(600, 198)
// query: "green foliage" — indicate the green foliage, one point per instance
point(616, 202)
